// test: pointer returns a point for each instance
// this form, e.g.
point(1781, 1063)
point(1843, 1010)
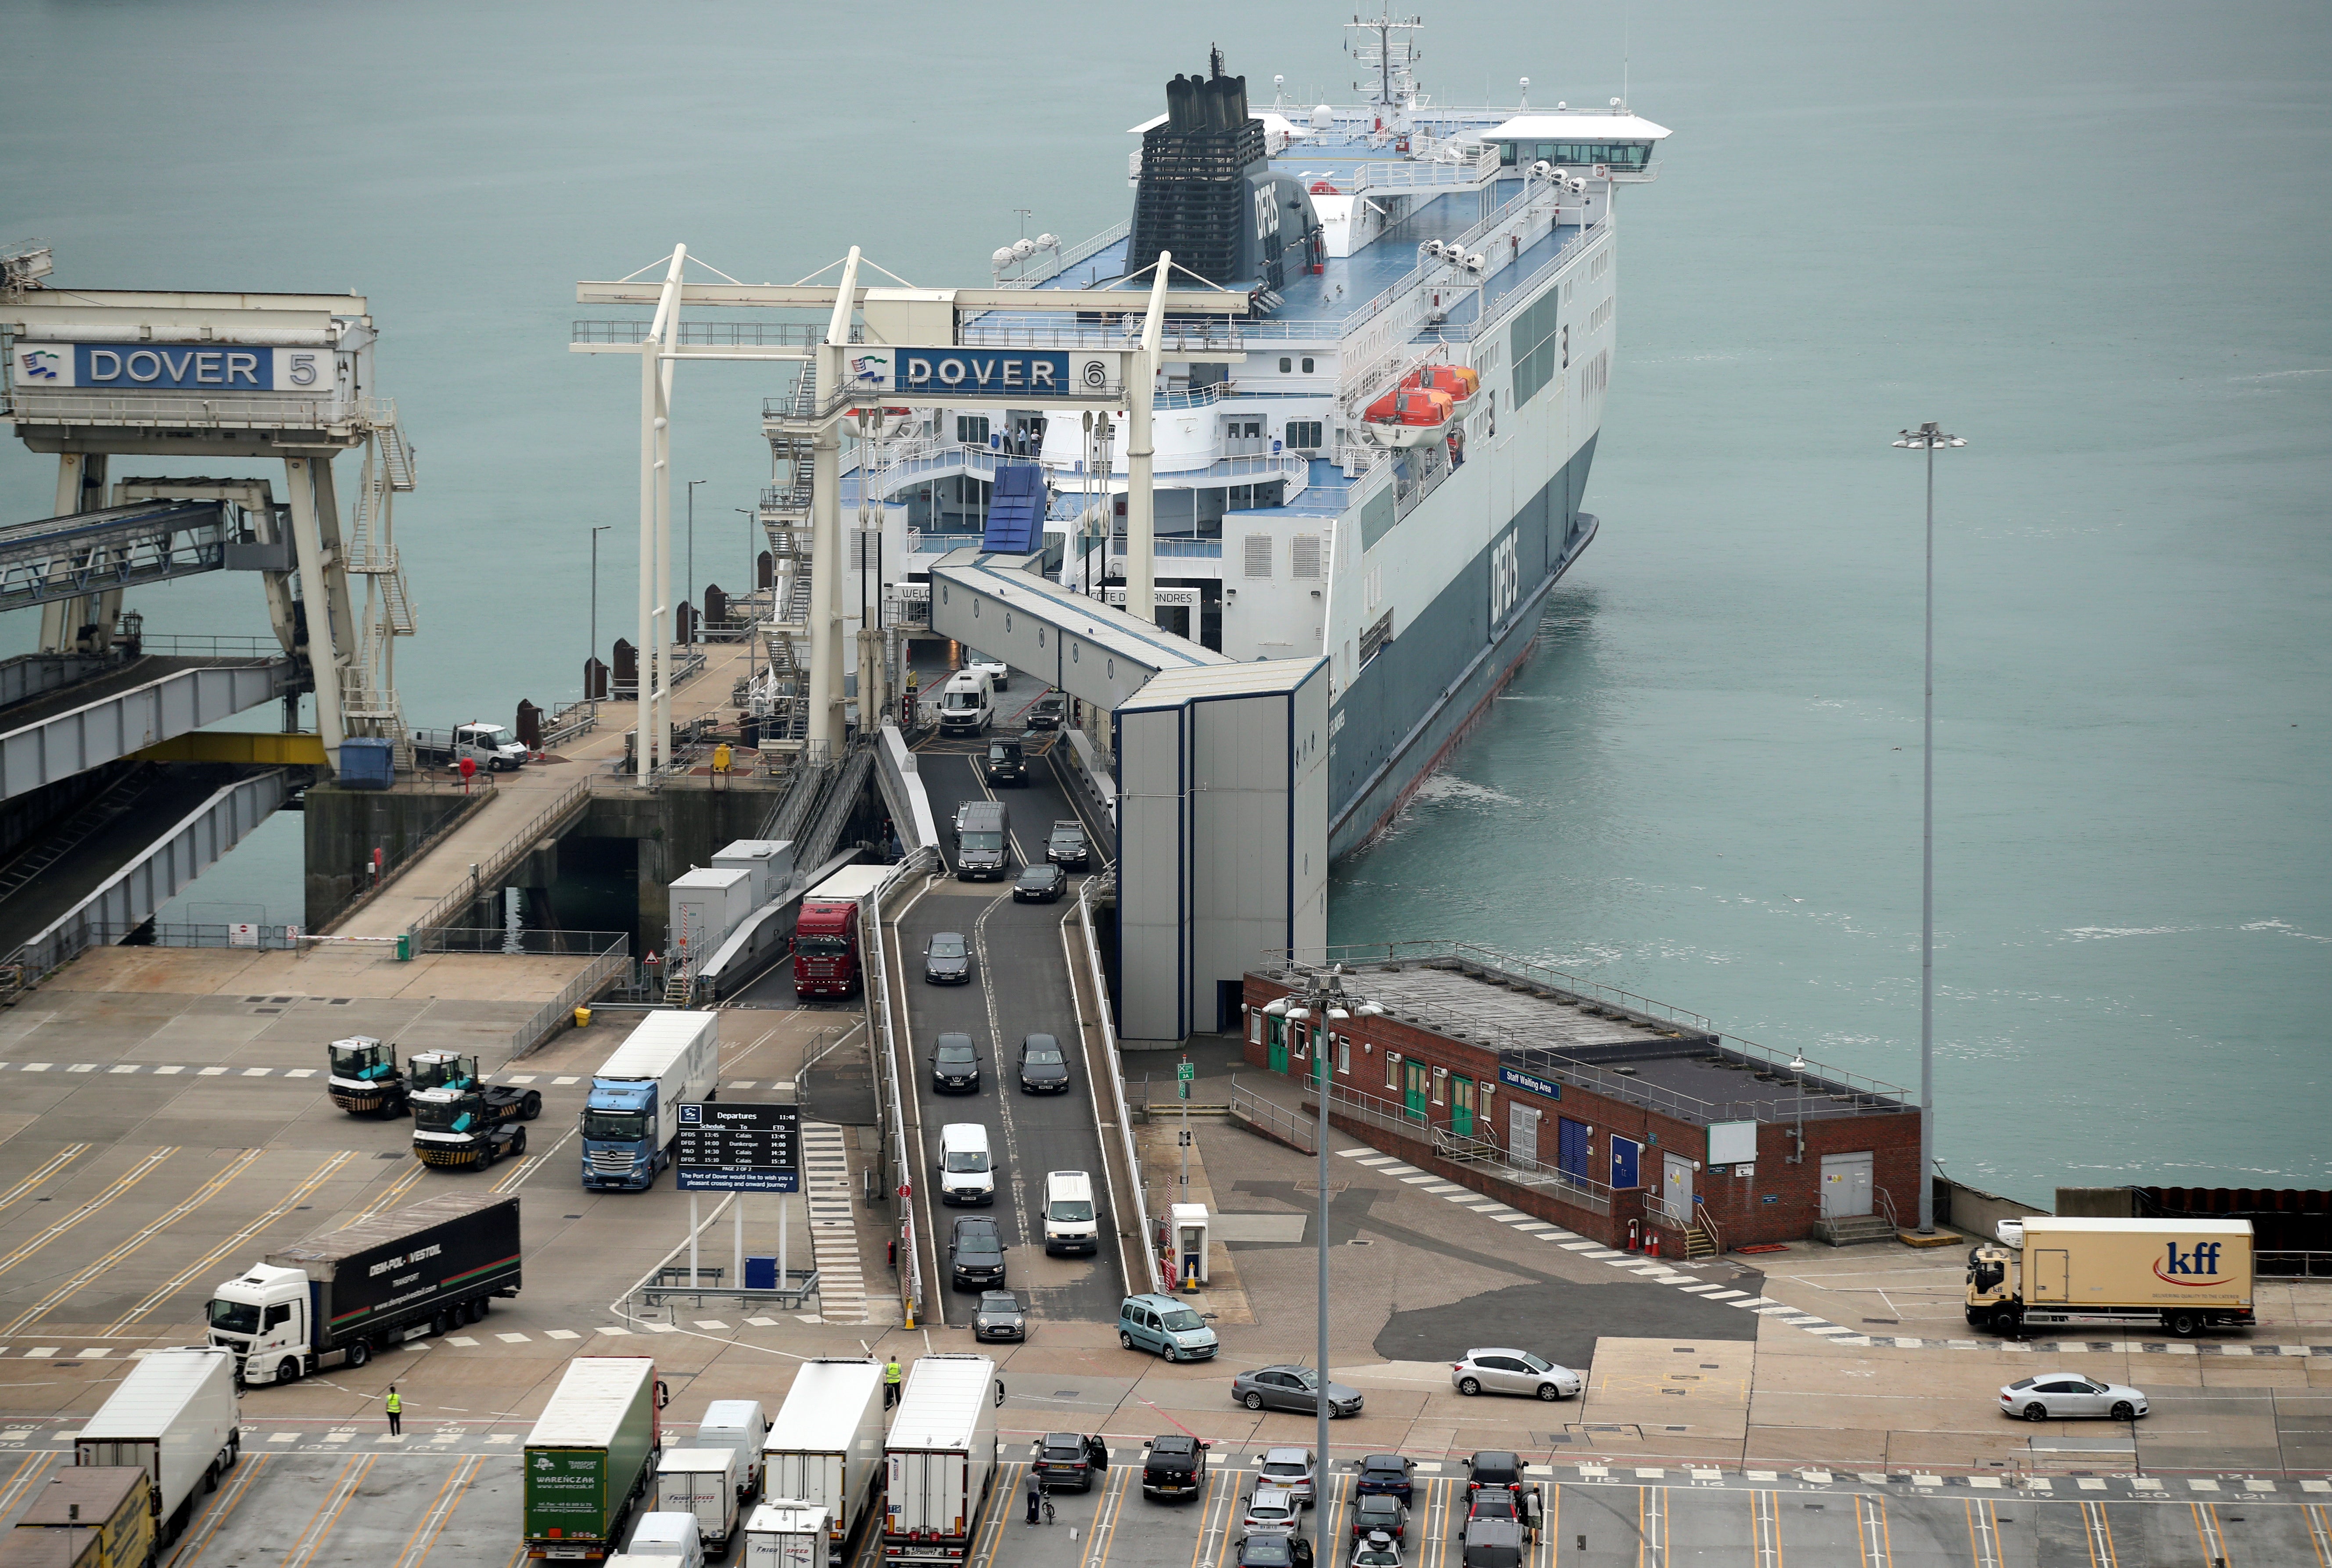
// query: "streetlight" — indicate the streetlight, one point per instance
point(1930, 439)
point(602, 529)
point(691, 594)
point(1322, 996)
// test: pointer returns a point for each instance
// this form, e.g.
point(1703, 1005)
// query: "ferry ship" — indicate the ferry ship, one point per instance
point(1385, 463)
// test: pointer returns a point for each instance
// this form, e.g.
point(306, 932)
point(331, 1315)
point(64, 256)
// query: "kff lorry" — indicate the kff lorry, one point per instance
point(494, 748)
point(2185, 1275)
point(826, 1447)
point(633, 1116)
point(591, 1457)
point(175, 1417)
point(827, 958)
point(340, 1295)
point(459, 1120)
point(112, 1502)
point(941, 1459)
point(365, 1080)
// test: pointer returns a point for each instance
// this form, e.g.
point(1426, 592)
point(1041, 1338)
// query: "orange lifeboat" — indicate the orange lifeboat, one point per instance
point(1409, 416)
point(1460, 380)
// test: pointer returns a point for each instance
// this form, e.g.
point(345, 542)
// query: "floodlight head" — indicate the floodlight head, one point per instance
point(1298, 1014)
point(1337, 1015)
point(1370, 1010)
point(1276, 1007)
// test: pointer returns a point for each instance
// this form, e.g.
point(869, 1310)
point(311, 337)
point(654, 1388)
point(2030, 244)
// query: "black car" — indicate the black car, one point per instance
point(1495, 1503)
point(1006, 764)
point(1384, 1475)
point(1494, 1468)
point(1175, 1467)
point(1050, 710)
point(1381, 1513)
point(976, 1254)
point(955, 1065)
point(999, 1317)
point(1066, 1459)
point(947, 959)
point(1068, 845)
point(1041, 884)
point(1043, 1069)
point(1274, 1551)
point(1494, 1543)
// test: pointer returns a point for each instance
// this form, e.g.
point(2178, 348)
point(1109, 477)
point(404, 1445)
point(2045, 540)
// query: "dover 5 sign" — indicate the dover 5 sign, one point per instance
point(1024, 374)
point(170, 368)
point(739, 1148)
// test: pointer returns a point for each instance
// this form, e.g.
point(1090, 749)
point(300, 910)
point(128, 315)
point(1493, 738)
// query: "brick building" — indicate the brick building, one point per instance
point(1593, 1108)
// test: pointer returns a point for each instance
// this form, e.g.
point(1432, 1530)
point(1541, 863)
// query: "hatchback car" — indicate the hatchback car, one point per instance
point(976, 1254)
point(947, 959)
point(1042, 882)
point(1271, 1512)
point(1064, 1459)
point(955, 1065)
point(998, 673)
point(1380, 1514)
point(1384, 1475)
point(999, 1317)
point(1289, 1469)
point(1296, 1388)
point(1494, 1468)
point(1164, 1326)
point(1274, 1550)
point(1049, 711)
point(1376, 1552)
point(1175, 1467)
point(2061, 1394)
point(1043, 1069)
point(1495, 1370)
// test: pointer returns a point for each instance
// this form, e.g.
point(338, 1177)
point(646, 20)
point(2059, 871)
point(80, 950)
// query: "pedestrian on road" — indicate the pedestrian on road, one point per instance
point(891, 1376)
point(396, 1409)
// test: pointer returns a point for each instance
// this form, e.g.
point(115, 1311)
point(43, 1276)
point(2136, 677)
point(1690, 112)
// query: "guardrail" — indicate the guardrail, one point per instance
point(615, 962)
point(570, 801)
point(1272, 1119)
point(1117, 1093)
point(1462, 1148)
point(1083, 251)
point(2283, 1264)
point(878, 994)
point(569, 720)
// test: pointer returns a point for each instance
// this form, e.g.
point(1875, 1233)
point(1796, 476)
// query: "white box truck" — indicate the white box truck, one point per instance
point(826, 1447)
point(940, 1459)
point(786, 1535)
point(173, 1417)
point(2185, 1275)
point(633, 1114)
point(737, 1424)
point(702, 1482)
point(704, 906)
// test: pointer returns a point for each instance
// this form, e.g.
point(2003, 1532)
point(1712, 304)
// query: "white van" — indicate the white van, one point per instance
point(737, 1424)
point(668, 1537)
point(967, 702)
point(966, 1173)
point(1070, 1225)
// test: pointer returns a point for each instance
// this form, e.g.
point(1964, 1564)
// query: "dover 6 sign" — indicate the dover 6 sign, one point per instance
point(740, 1148)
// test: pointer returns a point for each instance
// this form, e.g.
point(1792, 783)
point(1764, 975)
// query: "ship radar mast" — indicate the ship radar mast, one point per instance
point(1387, 46)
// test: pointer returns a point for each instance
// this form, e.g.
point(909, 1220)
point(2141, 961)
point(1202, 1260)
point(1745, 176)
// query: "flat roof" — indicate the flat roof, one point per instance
point(2086, 1226)
point(1578, 128)
point(1006, 579)
point(1256, 678)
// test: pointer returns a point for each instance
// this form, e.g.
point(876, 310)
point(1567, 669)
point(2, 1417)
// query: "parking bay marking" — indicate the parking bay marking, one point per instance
point(203, 1194)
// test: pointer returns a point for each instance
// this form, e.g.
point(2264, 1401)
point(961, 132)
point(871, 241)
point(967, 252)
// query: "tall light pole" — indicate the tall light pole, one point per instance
point(602, 529)
point(1930, 439)
point(1324, 998)
point(691, 594)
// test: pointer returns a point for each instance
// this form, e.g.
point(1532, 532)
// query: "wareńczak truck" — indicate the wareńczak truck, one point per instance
point(591, 1459)
point(338, 1297)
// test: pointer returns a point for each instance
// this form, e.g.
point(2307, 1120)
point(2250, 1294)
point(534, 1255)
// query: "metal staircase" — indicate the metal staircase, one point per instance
point(369, 699)
point(784, 518)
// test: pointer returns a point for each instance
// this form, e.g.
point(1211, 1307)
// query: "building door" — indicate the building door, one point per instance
point(1522, 1137)
point(1623, 1162)
point(1461, 1105)
point(1416, 1085)
point(1844, 1186)
point(2048, 1275)
point(1275, 1031)
point(1677, 1187)
point(1570, 1148)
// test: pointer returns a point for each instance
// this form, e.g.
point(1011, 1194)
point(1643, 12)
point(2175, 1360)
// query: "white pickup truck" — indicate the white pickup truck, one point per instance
point(491, 745)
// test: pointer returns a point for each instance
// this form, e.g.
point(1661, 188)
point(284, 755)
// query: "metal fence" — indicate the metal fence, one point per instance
point(543, 943)
point(612, 963)
point(1155, 1282)
point(569, 802)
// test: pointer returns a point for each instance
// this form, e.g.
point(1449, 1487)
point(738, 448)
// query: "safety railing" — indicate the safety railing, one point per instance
point(880, 1021)
point(1173, 549)
point(1465, 1149)
point(919, 543)
point(536, 941)
point(568, 720)
point(712, 334)
point(2282, 1263)
point(570, 802)
point(202, 645)
point(1272, 1120)
point(612, 963)
point(1100, 982)
point(1075, 255)
point(1198, 335)
point(1886, 1207)
point(191, 411)
point(1472, 958)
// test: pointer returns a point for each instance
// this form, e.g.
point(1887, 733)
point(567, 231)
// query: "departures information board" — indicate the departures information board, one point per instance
point(739, 1148)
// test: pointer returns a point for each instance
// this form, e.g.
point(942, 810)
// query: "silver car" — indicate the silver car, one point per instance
point(1501, 1371)
point(1271, 1512)
point(1296, 1388)
point(2056, 1395)
point(1289, 1469)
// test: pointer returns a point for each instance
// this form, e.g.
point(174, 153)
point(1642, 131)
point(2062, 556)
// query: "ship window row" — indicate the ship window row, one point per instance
point(1618, 155)
point(1288, 364)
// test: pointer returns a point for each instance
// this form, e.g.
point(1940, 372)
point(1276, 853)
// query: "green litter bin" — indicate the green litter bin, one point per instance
point(404, 947)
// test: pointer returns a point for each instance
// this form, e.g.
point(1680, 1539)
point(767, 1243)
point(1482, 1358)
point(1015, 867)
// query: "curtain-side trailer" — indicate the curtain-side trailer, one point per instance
point(591, 1457)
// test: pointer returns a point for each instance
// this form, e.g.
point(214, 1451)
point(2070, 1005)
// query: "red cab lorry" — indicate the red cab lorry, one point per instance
point(828, 958)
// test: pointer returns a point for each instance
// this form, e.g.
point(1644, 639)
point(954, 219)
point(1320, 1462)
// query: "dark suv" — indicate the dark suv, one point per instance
point(1066, 1459)
point(1068, 845)
point(1175, 1467)
point(976, 1255)
point(1006, 764)
point(1050, 710)
point(955, 1065)
point(1494, 1468)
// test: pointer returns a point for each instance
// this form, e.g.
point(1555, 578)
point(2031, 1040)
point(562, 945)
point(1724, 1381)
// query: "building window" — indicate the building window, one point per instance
point(1343, 1056)
point(1305, 434)
point(1255, 1026)
point(1392, 1071)
point(972, 429)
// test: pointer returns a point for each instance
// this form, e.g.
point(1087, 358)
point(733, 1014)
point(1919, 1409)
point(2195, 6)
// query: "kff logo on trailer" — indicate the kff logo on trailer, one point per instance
point(2199, 1265)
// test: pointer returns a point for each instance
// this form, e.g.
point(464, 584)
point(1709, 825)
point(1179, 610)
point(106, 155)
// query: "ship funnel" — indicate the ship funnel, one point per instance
point(1182, 110)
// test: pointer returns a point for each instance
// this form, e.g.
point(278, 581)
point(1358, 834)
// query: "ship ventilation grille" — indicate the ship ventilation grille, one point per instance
point(1259, 555)
point(1304, 556)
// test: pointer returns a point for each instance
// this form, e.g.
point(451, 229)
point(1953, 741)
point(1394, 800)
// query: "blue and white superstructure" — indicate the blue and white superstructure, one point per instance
point(1382, 243)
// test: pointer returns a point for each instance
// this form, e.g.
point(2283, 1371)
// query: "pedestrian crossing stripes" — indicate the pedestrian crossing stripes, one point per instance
point(1765, 1306)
